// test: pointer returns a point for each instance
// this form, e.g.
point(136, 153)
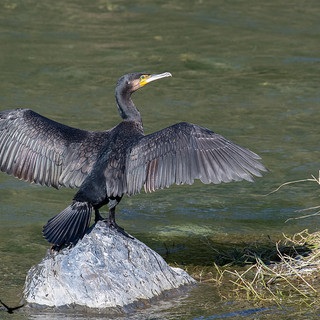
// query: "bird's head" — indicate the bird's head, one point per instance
point(128, 84)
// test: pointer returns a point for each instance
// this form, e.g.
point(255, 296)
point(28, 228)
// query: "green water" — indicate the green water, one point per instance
point(245, 69)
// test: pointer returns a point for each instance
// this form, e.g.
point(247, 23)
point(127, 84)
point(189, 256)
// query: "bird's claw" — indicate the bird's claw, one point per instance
point(117, 227)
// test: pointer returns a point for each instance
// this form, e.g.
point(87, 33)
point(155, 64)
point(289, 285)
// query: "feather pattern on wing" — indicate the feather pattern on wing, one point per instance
point(37, 149)
point(184, 152)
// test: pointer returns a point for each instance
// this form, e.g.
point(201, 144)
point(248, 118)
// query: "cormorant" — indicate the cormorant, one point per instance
point(108, 164)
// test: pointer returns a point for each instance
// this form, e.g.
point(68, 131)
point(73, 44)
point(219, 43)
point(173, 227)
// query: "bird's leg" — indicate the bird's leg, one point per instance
point(112, 222)
point(97, 216)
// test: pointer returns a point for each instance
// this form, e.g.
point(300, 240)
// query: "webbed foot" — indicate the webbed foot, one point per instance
point(113, 224)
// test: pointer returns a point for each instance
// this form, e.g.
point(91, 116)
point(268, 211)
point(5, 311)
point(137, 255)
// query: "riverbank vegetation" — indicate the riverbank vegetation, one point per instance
point(280, 272)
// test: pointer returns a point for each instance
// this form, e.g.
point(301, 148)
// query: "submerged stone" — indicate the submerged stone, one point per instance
point(104, 270)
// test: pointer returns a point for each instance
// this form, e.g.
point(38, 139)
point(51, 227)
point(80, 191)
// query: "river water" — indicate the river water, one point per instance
point(245, 69)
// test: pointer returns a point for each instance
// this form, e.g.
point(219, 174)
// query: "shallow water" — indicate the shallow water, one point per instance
point(247, 70)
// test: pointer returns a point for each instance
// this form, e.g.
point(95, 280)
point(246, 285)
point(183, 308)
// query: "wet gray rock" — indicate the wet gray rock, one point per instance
point(104, 270)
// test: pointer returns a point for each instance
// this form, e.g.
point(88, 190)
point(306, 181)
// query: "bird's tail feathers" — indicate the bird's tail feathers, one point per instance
point(69, 225)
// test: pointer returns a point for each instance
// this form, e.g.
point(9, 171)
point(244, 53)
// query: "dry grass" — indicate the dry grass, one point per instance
point(280, 272)
point(292, 279)
point(313, 179)
point(283, 273)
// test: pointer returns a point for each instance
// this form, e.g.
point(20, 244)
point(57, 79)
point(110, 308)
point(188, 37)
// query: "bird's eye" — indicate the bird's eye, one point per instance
point(142, 77)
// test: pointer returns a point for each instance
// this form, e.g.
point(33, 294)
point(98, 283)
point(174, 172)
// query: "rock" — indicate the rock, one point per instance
point(104, 270)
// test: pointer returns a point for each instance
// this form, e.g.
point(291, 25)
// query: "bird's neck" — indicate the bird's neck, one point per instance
point(127, 109)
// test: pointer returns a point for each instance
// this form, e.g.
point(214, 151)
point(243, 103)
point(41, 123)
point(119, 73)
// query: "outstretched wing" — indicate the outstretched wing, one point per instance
point(184, 152)
point(37, 149)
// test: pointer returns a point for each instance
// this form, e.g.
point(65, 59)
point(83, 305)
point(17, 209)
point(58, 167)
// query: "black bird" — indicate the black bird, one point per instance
point(108, 164)
point(10, 309)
